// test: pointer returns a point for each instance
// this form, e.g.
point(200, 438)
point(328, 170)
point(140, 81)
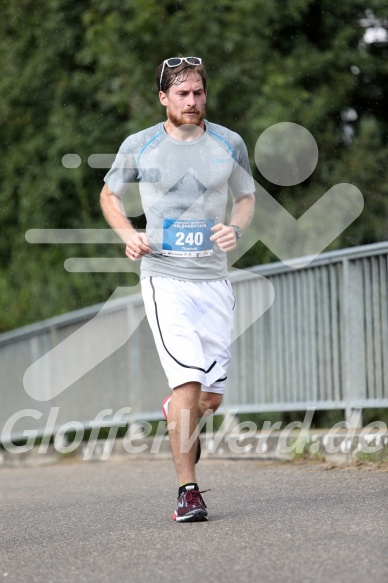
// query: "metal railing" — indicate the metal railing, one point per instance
point(322, 344)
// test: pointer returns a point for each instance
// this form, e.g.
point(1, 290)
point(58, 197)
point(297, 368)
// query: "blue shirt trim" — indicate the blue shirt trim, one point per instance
point(225, 142)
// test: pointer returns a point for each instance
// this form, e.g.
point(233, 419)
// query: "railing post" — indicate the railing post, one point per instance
point(349, 348)
point(345, 338)
point(353, 416)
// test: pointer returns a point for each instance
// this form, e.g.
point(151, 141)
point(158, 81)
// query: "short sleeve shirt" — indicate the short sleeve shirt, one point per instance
point(184, 188)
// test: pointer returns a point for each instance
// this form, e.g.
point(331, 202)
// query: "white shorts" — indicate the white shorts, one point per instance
point(192, 324)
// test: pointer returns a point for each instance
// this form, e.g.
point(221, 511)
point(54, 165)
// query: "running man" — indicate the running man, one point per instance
point(186, 168)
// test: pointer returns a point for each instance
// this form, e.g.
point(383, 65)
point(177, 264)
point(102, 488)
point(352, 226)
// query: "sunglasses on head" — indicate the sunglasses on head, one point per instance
point(176, 61)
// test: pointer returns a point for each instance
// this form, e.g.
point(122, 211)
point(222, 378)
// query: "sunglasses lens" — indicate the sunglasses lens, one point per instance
point(193, 60)
point(173, 62)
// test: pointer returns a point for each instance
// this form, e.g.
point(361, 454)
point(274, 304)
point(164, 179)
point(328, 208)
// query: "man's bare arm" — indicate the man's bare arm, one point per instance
point(136, 244)
point(242, 213)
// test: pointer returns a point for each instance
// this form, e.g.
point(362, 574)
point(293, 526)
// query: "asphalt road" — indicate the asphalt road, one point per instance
point(269, 522)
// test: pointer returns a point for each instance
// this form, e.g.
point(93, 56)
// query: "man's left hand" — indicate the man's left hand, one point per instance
point(224, 236)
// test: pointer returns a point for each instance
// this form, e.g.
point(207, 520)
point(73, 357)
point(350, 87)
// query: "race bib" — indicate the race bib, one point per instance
point(187, 237)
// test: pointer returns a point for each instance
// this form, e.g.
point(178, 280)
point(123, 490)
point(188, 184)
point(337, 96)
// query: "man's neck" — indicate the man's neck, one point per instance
point(186, 132)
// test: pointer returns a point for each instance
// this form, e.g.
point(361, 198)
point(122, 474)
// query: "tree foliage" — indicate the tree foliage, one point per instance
point(78, 77)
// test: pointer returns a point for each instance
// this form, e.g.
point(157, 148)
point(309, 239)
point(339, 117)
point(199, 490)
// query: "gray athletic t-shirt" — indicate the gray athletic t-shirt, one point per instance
point(184, 188)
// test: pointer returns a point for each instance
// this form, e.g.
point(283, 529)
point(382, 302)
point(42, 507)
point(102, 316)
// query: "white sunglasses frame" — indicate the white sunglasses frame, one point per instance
point(181, 61)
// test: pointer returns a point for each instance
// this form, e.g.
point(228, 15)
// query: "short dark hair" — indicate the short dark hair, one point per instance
point(177, 75)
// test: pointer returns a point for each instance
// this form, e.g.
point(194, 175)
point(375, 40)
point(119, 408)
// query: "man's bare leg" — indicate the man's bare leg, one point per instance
point(183, 419)
point(208, 403)
point(188, 403)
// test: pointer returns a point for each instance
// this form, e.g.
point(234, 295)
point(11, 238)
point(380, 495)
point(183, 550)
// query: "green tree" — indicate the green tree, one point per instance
point(79, 77)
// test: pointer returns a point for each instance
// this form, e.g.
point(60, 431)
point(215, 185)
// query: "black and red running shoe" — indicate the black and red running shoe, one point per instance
point(191, 507)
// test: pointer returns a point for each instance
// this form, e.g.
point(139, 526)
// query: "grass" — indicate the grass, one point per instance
point(376, 457)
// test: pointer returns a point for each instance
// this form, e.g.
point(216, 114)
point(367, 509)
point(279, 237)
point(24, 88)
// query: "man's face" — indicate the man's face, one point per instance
point(185, 103)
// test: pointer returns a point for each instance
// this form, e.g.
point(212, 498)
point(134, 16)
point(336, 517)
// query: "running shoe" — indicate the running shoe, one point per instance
point(191, 507)
point(165, 404)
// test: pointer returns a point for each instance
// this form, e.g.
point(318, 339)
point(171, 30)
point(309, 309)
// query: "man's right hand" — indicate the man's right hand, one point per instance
point(137, 246)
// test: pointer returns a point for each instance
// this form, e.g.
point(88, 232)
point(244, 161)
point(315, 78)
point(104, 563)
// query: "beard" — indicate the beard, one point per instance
point(189, 122)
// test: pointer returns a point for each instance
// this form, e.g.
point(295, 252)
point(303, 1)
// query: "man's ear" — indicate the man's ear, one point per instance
point(163, 98)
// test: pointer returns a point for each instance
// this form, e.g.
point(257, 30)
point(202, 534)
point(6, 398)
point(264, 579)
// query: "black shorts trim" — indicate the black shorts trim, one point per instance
point(162, 339)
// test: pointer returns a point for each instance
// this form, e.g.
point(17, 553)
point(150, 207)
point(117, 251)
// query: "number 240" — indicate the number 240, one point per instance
point(190, 239)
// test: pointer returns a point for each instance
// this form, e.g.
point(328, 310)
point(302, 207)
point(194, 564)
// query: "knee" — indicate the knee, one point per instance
point(210, 401)
point(187, 392)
